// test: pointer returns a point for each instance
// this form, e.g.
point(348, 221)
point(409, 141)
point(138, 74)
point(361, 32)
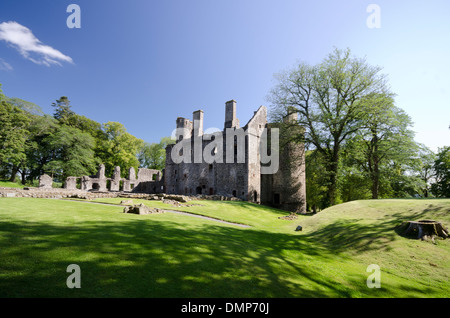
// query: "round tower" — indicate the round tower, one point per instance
point(286, 189)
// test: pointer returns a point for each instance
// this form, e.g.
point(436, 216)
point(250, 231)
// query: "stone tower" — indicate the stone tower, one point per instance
point(286, 189)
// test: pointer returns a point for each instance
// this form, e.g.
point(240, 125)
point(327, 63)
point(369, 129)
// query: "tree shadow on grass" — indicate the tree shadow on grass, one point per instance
point(367, 235)
point(252, 207)
point(147, 258)
point(345, 235)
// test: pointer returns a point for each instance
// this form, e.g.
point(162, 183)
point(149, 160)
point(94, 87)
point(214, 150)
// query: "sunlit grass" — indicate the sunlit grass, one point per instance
point(173, 255)
point(9, 184)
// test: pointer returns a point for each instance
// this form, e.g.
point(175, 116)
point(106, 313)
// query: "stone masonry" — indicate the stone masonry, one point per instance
point(45, 182)
point(244, 178)
point(147, 181)
point(284, 189)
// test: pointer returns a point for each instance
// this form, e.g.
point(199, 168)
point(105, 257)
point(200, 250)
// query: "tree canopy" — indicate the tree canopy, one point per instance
point(153, 156)
point(328, 99)
point(441, 187)
point(359, 143)
point(61, 145)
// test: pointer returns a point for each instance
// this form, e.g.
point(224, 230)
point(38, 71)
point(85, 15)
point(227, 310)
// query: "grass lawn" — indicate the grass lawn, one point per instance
point(9, 184)
point(175, 255)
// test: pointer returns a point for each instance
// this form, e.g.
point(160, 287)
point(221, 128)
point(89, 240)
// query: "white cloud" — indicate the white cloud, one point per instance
point(4, 66)
point(23, 40)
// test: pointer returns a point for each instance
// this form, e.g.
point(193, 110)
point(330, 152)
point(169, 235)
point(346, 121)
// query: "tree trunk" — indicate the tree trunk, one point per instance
point(332, 179)
point(423, 229)
point(376, 167)
point(24, 176)
point(332, 186)
point(375, 186)
point(15, 169)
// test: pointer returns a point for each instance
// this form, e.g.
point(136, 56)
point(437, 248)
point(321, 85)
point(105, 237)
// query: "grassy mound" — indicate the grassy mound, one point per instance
point(175, 255)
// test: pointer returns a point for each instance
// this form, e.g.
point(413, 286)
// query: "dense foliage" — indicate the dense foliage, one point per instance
point(65, 144)
point(360, 144)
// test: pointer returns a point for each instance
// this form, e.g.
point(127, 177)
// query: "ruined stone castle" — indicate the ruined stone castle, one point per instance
point(147, 181)
point(233, 163)
point(244, 179)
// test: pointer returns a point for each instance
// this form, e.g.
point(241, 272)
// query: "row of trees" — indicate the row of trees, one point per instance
point(360, 145)
point(66, 144)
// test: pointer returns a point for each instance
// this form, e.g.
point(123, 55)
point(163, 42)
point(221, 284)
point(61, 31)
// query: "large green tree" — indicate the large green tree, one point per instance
point(38, 151)
point(26, 149)
point(66, 116)
point(328, 99)
point(316, 189)
point(63, 110)
point(65, 144)
point(120, 148)
point(72, 153)
point(441, 188)
point(13, 135)
point(384, 136)
point(153, 156)
point(425, 168)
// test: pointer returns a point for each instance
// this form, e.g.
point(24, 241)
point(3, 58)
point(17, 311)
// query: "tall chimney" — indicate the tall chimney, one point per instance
point(198, 123)
point(230, 115)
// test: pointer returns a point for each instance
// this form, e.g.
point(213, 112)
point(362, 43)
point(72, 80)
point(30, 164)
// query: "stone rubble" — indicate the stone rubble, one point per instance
point(60, 193)
point(289, 217)
point(141, 209)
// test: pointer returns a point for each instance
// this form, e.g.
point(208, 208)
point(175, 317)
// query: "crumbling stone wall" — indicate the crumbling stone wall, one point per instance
point(148, 181)
point(284, 189)
point(71, 183)
point(237, 179)
point(115, 181)
point(45, 182)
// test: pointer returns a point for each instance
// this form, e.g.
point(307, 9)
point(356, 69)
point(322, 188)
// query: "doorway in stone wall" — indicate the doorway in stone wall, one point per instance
point(276, 198)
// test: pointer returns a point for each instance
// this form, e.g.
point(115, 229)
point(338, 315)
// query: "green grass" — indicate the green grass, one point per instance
point(9, 184)
point(173, 255)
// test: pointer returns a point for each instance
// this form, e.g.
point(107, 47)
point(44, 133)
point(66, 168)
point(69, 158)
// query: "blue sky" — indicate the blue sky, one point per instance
point(144, 63)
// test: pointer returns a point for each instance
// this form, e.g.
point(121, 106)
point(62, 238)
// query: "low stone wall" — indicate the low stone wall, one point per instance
point(60, 193)
point(53, 193)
